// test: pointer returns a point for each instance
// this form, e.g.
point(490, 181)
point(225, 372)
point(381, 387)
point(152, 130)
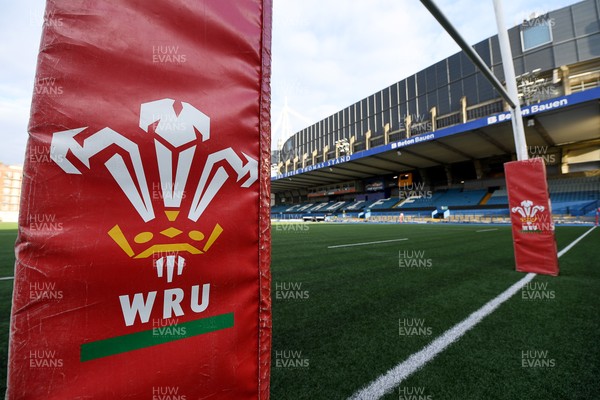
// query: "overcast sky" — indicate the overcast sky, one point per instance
point(327, 54)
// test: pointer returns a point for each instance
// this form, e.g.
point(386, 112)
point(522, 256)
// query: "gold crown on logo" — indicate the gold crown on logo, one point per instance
point(172, 232)
point(168, 244)
point(529, 220)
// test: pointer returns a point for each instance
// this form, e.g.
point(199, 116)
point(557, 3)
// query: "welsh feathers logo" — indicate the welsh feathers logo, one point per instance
point(184, 131)
point(529, 215)
point(177, 131)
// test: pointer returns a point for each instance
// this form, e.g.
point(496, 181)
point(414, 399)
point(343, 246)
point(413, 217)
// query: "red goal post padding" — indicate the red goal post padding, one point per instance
point(531, 217)
point(144, 236)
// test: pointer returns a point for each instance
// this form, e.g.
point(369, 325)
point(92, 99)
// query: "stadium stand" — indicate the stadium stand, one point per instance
point(451, 197)
point(378, 154)
point(573, 196)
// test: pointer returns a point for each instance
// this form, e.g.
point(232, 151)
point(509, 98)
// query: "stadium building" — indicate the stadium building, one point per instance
point(433, 145)
point(11, 177)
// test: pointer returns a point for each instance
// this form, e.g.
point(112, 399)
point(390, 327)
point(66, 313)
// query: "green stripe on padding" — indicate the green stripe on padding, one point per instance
point(153, 337)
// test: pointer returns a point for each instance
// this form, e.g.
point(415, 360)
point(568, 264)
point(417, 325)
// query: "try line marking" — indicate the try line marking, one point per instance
point(7, 278)
point(365, 243)
point(486, 230)
point(394, 377)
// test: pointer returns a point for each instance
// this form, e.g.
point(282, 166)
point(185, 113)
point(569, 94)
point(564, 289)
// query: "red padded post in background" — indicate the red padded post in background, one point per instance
point(531, 217)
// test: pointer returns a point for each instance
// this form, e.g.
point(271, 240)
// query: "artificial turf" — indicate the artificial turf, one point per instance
point(8, 235)
point(348, 328)
point(337, 312)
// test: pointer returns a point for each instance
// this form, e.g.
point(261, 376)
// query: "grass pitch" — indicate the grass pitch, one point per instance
point(359, 297)
point(343, 316)
point(8, 235)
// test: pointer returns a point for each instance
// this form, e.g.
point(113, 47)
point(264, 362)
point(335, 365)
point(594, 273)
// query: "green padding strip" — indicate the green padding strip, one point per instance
point(153, 337)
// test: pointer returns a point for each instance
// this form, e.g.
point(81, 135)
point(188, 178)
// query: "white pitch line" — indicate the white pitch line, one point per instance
point(7, 278)
point(487, 230)
point(563, 251)
point(365, 243)
point(385, 383)
point(394, 377)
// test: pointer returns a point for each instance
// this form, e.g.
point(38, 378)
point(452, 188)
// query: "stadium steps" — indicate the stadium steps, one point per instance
point(485, 199)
